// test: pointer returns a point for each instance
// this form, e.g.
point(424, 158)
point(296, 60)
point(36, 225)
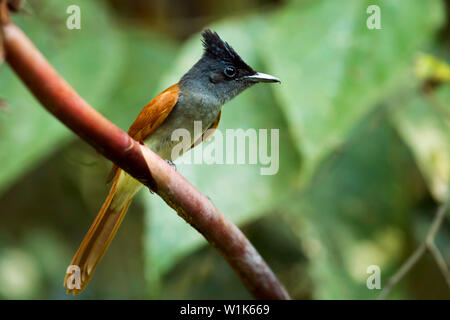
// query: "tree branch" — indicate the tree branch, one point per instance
point(427, 245)
point(65, 104)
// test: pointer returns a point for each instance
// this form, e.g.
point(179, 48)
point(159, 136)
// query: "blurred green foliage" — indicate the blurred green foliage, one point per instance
point(364, 153)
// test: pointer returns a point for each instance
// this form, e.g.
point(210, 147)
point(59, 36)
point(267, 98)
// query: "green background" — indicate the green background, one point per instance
point(364, 149)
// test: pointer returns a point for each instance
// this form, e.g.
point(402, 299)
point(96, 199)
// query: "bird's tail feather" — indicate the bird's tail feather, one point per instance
point(101, 233)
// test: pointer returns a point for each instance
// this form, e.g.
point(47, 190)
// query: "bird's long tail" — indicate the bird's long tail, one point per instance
point(101, 233)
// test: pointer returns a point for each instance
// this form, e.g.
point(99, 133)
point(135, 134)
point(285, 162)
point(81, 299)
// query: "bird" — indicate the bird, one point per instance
point(217, 77)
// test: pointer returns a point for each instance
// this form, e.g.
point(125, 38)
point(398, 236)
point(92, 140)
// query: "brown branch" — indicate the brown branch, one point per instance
point(64, 103)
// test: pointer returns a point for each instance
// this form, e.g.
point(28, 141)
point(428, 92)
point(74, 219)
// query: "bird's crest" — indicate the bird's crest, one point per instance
point(216, 48)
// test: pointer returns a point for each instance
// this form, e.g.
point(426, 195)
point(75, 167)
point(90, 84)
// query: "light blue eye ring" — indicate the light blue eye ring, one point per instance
point(229, 71)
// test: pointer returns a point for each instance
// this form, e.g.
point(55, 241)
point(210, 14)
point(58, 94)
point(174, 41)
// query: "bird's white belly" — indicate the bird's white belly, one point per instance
point(183, 117)
point(162, 142)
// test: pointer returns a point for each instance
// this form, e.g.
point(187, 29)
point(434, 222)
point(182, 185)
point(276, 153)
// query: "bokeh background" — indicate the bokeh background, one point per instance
point(364, 122)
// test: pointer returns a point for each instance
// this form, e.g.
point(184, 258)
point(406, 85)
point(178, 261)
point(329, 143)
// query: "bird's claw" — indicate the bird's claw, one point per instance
point(173, 165)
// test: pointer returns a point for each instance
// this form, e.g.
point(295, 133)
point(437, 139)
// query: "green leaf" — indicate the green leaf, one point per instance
point(147, 57)
point(86, 58)
point(334, 72)
point(424, 124)
point(357, 210)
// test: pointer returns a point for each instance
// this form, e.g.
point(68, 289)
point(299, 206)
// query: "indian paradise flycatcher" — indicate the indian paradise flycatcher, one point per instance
point(216, 78)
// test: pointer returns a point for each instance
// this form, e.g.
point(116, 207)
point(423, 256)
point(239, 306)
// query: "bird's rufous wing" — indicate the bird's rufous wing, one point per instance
point(154, 113)
point(151, 117)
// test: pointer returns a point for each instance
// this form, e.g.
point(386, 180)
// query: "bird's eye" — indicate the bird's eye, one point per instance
point(230, 71)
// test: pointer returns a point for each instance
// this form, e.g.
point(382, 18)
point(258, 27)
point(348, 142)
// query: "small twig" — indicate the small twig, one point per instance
point(437, 222)
point(440, 261)
point(429, 245)
point(404, 269)
point(139, 161)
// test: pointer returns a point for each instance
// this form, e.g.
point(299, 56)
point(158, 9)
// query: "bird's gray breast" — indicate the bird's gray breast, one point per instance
point(190, 108)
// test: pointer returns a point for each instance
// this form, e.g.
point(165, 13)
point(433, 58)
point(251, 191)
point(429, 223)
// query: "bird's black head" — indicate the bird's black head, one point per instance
point(221, 71)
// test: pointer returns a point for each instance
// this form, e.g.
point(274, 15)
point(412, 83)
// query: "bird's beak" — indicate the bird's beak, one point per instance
point(262, 77)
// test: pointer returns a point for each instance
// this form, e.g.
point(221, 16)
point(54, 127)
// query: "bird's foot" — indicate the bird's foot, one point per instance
point(173, 165)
